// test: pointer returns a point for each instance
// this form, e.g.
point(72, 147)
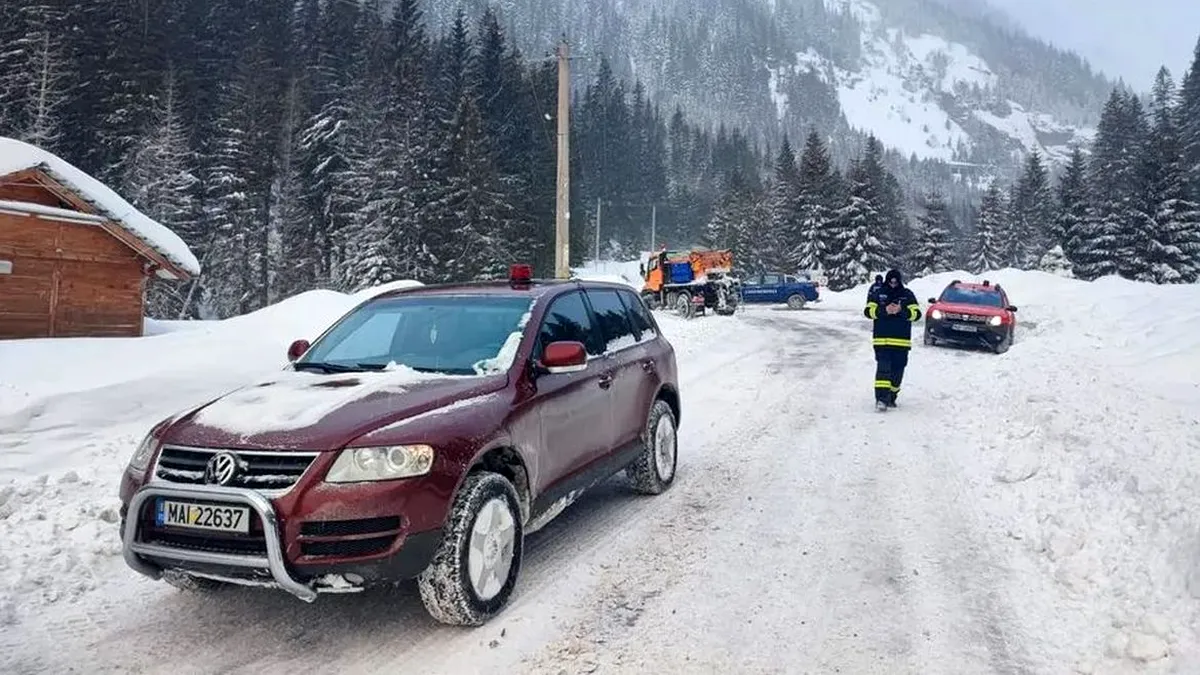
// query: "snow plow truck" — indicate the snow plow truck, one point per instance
point(690, 282)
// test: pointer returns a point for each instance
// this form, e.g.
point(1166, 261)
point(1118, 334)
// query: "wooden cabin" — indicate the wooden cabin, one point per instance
point(74, 256)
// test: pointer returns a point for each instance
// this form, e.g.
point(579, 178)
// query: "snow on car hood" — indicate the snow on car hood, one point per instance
point(316, 411)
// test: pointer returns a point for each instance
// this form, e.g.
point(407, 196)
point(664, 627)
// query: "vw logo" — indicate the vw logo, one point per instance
point(222, 468)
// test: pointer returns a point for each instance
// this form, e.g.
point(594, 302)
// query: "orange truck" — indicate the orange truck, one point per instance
point(691, 282)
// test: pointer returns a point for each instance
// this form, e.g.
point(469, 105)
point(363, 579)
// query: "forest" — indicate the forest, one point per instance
point(300, 144)
point(1129, 206)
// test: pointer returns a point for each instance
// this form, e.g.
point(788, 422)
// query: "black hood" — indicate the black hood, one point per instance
point(879, 278)
point(894, 274)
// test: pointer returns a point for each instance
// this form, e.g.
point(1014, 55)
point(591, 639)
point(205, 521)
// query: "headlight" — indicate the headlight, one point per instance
point(141, 457)
point(356, 465)
point(936, 315)
point(994, 321)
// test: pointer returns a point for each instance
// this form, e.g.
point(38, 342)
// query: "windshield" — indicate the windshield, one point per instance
point(972, 296)
point(457, 335)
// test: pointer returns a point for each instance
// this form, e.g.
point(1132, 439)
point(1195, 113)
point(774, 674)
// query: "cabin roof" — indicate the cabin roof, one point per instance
point(17, 156)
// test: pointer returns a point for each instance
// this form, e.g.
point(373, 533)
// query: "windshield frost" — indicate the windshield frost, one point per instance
point(457, 335)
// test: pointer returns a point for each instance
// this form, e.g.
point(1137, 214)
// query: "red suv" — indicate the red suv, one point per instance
point(973, 315)
point(421, 436)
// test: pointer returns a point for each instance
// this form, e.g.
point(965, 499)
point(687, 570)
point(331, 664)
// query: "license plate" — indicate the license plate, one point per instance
point(203, 516)
point(965, 327)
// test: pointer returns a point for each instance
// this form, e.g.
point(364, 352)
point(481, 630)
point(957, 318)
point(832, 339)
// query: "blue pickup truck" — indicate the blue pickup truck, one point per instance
point(773, 288)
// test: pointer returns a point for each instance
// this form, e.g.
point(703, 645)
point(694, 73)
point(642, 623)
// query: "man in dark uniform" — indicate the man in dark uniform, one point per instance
point(875, 286)
point(894, 309)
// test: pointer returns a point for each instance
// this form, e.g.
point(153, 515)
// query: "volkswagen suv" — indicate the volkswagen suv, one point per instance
point(422, 436)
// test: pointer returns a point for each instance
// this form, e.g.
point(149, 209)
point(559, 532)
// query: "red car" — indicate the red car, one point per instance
point(421, 436)
point(971, 315)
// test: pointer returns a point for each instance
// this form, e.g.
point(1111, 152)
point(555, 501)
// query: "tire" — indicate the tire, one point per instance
point(683, 305)
point(671, 300)
point(796, 302)
point(1004, 344)
point(654, 471)
point(452, 594)
point(929, 341)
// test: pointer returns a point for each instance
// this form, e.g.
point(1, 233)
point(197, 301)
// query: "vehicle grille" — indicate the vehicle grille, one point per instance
point(348, 538)
point(263, 470)
point(975, 318)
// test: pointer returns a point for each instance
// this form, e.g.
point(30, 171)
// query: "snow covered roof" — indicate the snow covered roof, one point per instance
point(18, 156)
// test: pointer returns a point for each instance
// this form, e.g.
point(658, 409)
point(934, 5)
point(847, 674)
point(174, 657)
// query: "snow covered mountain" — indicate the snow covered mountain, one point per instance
point(937, 81)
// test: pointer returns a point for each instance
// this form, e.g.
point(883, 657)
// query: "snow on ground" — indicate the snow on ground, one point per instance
point(1028, 512)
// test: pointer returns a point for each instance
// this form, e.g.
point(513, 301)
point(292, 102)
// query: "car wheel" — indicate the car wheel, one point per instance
point(929, 341)
point(475, 568)
point(654, 470)
point(796, 302)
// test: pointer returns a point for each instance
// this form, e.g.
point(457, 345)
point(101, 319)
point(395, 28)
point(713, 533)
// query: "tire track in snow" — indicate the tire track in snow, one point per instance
point(860, 561)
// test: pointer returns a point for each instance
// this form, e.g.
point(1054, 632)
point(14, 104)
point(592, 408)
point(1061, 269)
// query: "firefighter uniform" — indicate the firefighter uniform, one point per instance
point(891, 334)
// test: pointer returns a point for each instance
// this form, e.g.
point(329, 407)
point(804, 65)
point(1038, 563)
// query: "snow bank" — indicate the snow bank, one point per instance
point(18, 156)
point(619, 272)
point(1083, 446)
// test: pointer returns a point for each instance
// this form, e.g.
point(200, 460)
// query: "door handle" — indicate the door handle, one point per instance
point(606, 381)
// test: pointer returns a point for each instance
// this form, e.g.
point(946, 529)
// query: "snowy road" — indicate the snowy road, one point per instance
point(793, 541)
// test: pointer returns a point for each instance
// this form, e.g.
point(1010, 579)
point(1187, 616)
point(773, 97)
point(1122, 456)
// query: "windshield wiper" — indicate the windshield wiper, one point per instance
point(327, 367)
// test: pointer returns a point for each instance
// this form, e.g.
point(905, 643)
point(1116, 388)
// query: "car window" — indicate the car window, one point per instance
point(972, 296)
point(789, 280)
point(458, 335)
point(643, 324)
point(370, 341)
point(567, 320)
point(612, 317)
point(769, 279)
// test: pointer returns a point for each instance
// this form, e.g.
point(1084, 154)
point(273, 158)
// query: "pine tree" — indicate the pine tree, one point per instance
point(1071, 221)
point(858, 250)
point(818, 200)
point(1030, 231)
point(1189, 126)
point(161, 182)
point(986, 254)
point(733, 223)
point(1167, 248)
point(37, 86)
point(774, 244)
point(1055, 262)
point(937, 237)
point(1110, 194)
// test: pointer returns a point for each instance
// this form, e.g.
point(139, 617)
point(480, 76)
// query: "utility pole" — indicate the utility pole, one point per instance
point(562, 229)
point(598, 206)
point(653, 225)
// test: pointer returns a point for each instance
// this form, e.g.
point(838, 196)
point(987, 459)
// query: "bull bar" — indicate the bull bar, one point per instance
point(274, 561)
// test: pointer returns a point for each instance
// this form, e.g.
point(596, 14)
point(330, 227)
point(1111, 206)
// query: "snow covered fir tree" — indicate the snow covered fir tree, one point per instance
point(341, 144)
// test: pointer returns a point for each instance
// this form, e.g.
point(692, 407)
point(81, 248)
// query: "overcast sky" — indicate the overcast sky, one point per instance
point(1123, 38)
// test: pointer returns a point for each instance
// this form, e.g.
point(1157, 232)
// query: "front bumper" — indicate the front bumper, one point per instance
point(966, 332)
point(265, 566)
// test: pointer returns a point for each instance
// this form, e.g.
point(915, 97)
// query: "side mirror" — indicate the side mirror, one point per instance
point(932, 300)
point(1011, 308)
point(297, 349)
point(564, 357)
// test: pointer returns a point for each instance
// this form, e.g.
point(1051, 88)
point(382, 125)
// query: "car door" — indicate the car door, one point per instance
point(772, 288)
point(646, 356)
point(575, 409)
point(624, 353)
point(752, 289)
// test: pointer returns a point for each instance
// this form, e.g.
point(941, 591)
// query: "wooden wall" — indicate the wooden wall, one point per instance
point(68, 280)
